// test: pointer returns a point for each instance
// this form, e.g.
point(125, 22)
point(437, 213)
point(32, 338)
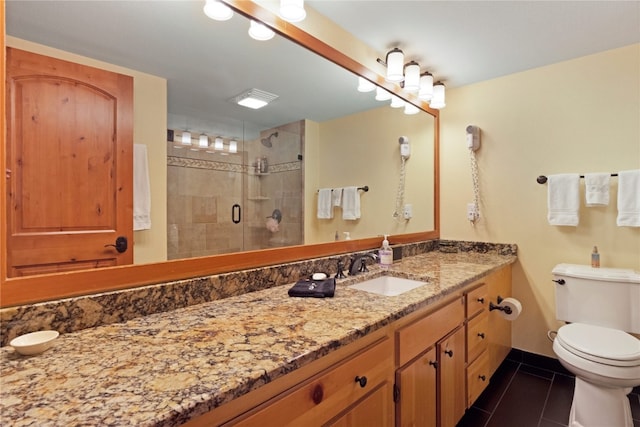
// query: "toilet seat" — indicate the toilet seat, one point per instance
point(599, 344)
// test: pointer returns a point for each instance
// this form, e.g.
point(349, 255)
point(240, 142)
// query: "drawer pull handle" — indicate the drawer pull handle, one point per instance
point(434, 363)
point(481, 300)
point(481, 335)
point(317, 394)
point(362, 381)
point(482, 377)
point(449, 353)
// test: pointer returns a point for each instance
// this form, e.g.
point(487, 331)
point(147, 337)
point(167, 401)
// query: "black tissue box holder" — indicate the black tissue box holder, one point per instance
point(314, 288)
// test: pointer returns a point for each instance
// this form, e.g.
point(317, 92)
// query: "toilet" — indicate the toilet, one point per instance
point(601, 307)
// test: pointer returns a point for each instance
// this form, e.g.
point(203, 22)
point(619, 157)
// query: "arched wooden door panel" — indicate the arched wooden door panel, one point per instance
point(69, 154)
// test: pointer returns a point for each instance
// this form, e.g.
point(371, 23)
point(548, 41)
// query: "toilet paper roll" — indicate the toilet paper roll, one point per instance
point(514, 306)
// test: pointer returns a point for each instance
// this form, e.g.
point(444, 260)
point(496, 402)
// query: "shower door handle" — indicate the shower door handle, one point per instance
point(236, 213)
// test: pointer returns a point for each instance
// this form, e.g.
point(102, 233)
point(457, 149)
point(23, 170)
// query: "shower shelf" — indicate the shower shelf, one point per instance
point(259, 198)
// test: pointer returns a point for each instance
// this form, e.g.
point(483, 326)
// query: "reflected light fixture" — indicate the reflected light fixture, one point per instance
point(426, 87)
point(412, 77)
point(186, 138)
point(259, 31)
point(218, 143)
point(254, 98)
point(395, 65)
point(410, 109)
point(365, 85)
point(292, 10)
point(397, 102)
point(438, 99)
point(233, 146)
point(382, 94)
point(217, 10)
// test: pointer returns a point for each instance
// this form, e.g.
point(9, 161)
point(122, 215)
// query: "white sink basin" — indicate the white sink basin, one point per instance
point(388, 285)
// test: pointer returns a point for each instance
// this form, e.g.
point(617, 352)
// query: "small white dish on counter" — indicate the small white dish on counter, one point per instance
point(34, 342)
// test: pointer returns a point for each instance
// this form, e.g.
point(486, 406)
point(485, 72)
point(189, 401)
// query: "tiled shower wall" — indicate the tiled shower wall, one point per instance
point(203, 186)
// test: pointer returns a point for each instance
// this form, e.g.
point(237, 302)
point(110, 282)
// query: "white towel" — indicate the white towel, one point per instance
point(629, 198)
point(563, 199)
point(141, 189)
point(336, 197)
point(596, 187)
point(325, 210)
point(350, 203)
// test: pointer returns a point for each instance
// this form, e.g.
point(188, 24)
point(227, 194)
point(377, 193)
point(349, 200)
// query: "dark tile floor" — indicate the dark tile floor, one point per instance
point(529, 390)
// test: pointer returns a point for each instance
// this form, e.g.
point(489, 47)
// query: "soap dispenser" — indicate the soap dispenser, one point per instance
point(385, 253)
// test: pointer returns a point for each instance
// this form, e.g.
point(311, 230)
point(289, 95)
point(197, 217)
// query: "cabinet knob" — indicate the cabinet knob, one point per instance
point(317, 394)
point(481, 300)
point(449, 353)
point(481, 335)
point(482, 377)
point(434, 363)
point(362, 381)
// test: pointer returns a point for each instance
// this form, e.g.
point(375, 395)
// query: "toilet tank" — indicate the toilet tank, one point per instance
point(598, 296)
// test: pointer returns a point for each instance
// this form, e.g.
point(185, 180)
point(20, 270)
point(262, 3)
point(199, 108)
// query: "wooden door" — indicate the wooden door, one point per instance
point(416, 404)
point(452, 381)
point(69, 159)
point(374, 410)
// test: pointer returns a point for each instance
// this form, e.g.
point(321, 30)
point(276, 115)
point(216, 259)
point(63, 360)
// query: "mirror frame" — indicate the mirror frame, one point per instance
point(46, 287)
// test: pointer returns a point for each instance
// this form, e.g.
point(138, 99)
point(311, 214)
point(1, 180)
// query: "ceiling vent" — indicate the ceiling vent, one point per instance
point(254, 98)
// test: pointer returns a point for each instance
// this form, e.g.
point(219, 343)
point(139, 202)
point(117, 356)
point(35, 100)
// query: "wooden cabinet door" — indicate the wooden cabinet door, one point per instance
point(69, 159)
point(374, 410)
point(417, 402)
point(452, 378)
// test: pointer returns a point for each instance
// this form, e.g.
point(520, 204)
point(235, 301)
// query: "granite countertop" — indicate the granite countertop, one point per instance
point(166, 368)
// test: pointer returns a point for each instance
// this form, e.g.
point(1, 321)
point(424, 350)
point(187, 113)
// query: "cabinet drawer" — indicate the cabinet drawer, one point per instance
point(413, 339)
point(477, 377)
point(477, 335)
point(477, 300)
point(324, 396)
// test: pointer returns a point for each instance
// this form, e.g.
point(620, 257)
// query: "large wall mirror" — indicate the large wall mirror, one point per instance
point(320, 132)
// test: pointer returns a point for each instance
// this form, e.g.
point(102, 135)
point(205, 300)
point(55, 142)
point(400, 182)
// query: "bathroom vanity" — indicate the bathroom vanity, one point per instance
point(251, 355)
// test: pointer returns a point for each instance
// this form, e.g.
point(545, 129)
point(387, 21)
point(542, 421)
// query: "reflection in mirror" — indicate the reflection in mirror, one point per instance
point(328, 134)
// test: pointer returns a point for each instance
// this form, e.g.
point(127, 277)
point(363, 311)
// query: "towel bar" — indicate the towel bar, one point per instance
point(542, 179)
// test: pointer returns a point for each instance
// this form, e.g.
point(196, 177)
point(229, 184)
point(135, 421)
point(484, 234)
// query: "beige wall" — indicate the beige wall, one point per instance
point(150, 124)
point(576, 116)
point(362, 149)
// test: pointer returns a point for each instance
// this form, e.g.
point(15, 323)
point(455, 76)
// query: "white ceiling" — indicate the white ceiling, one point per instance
point(207, 62)
point(463, 42)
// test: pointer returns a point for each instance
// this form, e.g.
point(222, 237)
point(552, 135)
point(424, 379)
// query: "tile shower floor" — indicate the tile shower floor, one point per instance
point(529, 390)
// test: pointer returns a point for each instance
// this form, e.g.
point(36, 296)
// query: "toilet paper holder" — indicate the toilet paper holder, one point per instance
point(493, 306)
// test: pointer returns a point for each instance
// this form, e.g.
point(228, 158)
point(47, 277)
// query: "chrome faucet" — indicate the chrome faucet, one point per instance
point(359, 263)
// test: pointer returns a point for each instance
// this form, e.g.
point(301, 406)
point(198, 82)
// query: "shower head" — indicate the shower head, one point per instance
point(267, 141)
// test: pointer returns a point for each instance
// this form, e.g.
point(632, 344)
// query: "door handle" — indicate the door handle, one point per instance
point(121, 244)
point(236, 213)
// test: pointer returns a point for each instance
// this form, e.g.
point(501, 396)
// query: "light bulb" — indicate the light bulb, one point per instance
point(217, 10)
point(397, 102)
point(259, 31)
point(438, 100)
point(292, 10)
point(382, 95)
point(395, 65)
point(186, 138)
point(412, 77)
point(426, 87)
point(365, 85)
point(410, 109)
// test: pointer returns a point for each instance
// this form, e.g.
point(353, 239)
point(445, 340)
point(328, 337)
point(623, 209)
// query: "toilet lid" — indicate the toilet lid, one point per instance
point(600, 344)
